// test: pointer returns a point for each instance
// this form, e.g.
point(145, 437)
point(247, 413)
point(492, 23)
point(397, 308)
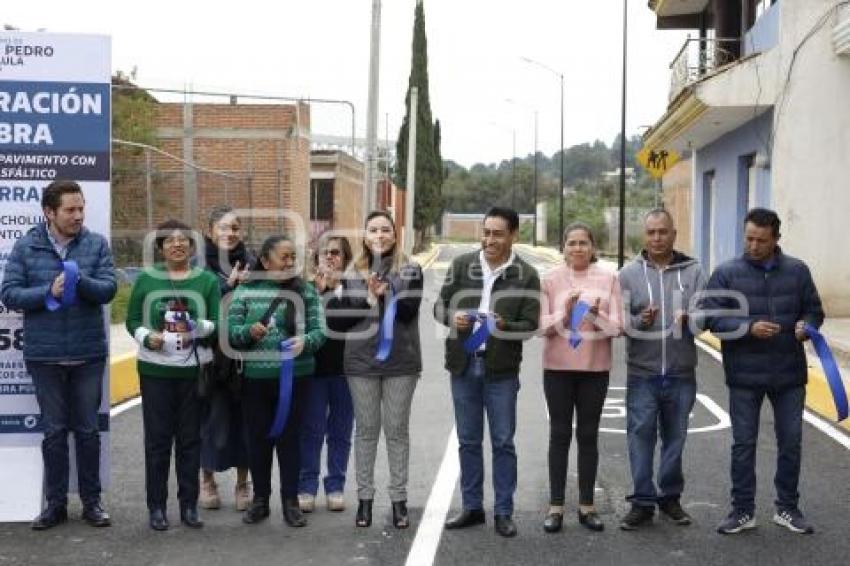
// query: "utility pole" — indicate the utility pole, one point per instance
point(372, 118)
point(534, 205)
point(621, 245)
point(411, 172)
point(513, 168)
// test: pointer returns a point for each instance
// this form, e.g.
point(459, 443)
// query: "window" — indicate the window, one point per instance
point(322, 199)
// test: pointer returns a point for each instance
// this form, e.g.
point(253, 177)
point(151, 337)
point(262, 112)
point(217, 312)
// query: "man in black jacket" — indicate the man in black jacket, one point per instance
point(763, 355)
point(491, 287)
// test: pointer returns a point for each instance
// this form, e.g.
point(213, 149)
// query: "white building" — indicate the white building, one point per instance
point(762, 98)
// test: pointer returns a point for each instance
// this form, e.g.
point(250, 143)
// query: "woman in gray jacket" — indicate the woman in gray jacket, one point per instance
point(383, 360)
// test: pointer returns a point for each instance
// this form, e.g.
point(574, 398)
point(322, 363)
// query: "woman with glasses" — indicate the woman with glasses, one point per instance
point(383, 361)
point(328, 413)
point(172, 314)
point(275, 319)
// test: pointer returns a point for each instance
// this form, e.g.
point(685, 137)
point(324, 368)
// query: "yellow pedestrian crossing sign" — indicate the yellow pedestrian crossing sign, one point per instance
point(657, 161)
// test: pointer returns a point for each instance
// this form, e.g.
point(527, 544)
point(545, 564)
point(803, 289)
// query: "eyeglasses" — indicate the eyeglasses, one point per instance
point(333, 252)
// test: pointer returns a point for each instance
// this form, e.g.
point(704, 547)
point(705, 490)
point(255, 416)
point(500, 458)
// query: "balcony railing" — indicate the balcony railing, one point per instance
point(700, 57)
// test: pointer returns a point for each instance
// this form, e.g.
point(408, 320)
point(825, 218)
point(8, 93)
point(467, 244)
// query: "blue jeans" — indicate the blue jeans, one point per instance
point(657, 407)
point(328, 412)
point(69, 398)
point(745, 409)
point(472, 395)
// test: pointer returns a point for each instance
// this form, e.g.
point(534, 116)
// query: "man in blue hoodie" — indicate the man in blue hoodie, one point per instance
point(772, 296)
point(659, 286)
point(60, 275)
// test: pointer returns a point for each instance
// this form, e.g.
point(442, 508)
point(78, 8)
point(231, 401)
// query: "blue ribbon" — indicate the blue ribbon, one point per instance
point(385, 345)
point(481, 335)
point(69, 289)
point(830, 368)
point(579, 311)
point(284, 397)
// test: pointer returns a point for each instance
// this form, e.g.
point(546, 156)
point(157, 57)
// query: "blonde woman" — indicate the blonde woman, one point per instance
point(383, 360)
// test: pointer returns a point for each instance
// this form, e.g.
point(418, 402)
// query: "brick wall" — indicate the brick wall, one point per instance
point(250, 156)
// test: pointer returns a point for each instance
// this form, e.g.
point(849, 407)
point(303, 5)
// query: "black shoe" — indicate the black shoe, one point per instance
point(636, 517)
point(466, 518)
point(553, 522)
point(158, 519)
point(505, 526)
point(591, 520)
point(292, 514)
point(400, 517)
point(672, 509)
point(49, 518)
point(257, 511)
point(189, 517)
point(95, 515)
point(364, 513)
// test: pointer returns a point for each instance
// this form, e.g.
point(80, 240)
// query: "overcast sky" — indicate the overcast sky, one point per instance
point(320, 49)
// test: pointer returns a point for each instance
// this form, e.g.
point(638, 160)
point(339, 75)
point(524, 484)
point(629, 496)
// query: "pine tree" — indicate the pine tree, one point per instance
point(429, 166)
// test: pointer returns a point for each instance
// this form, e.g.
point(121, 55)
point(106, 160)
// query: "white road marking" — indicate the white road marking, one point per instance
point(125, 406)
point(808, 416)
point(424, 547)
point(619, 411)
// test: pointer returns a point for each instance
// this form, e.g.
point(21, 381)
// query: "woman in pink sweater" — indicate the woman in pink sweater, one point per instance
point(581, 313)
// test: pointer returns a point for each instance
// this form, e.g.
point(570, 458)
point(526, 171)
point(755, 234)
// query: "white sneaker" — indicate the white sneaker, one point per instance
point(307, 502)
point(794, 521)
point(336, 501)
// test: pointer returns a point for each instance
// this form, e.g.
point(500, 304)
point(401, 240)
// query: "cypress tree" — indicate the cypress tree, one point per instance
point(429, 166)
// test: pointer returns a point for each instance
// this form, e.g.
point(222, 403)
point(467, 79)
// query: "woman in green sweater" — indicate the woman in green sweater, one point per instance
point(276, 306)
point(172, 314)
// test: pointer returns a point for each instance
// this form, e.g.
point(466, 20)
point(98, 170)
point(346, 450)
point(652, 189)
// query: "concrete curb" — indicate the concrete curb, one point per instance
point(123, 379)
point(551, 253)
point(425, 259)
point(818, 395)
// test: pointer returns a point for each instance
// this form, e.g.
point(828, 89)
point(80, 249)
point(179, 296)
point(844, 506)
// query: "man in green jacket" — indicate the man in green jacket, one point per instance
point(496, 289)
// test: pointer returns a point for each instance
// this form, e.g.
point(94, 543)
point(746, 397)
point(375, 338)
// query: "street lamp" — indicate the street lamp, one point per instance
point(534, 204)
point(512, 130)
point(561, 187)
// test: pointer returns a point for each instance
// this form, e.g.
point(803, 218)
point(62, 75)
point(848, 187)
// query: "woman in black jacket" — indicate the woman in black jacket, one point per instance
point(223, 440)
point(383, 360)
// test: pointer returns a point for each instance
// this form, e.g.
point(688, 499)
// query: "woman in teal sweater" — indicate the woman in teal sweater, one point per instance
point(172, 313)
point(276, 305)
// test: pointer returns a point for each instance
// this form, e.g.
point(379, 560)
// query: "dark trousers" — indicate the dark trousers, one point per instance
point(259, 398)
point(171, 411)
point(745, 409)
point(328, 413)
point(582, 393)
point(69, 398)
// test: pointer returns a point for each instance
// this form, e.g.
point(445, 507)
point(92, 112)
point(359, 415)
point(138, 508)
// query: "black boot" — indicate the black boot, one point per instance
point(400, 517)
point(257, 511)
point(158, 519)
point(50, 517)
point(292, 513)
point(364, 513)
point(189, 516)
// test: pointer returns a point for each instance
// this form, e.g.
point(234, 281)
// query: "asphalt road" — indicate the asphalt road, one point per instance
point(331, 538)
